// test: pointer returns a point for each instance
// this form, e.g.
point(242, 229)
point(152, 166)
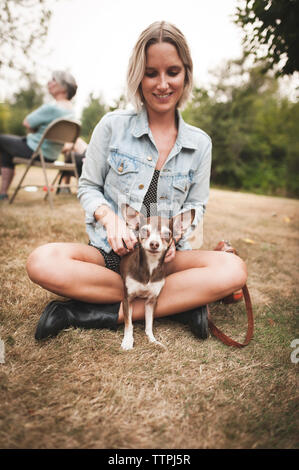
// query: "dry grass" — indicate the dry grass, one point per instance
point(81, 390)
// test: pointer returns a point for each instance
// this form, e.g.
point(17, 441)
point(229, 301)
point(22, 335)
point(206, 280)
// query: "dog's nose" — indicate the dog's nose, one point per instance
point(154, 245)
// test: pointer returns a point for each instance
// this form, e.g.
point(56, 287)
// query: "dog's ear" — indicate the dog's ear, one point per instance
point(181, 223)
point(131, 217)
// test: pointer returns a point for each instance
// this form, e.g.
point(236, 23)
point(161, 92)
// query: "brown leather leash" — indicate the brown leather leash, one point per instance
point(225, 246)
point(226, 339)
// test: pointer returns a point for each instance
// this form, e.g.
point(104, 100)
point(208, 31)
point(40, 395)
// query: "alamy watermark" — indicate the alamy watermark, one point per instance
point(194, 234)
point(295, 353)
point(2, 352)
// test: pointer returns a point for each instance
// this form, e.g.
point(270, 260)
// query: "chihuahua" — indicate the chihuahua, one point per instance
point(143, 269)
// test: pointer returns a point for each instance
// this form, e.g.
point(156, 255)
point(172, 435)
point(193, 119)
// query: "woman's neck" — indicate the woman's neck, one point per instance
point(63, 101)
point(59, 95)
point(164, 129)
point(163, 121)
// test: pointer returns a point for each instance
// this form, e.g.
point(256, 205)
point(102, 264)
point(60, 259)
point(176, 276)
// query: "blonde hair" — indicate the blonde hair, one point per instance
point(160, 31)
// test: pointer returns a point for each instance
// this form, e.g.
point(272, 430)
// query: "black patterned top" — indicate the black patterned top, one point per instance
point(150, 199)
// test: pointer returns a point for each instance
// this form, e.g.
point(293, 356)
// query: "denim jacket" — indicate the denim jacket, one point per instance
point(120, 162)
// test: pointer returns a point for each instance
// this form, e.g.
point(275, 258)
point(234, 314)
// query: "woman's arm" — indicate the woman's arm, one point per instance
point(199, 190)
point(45, 114)
point(95, 169)
point(27, 125)
point(91, 190)
point(120, 237)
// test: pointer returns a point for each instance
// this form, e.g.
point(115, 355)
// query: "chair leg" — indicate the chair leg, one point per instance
point(47, 181)
point(59, 173)
point(75, 167)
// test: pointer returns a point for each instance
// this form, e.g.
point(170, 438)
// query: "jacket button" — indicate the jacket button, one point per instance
point(149, 158)
point(120, 169)
point(141, 186)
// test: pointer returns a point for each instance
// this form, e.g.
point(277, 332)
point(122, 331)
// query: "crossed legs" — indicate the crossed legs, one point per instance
point(193, 278)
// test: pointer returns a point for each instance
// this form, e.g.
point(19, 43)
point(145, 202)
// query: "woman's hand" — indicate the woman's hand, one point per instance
point(170, 253)
point(67, 147)
point(27, 125)
point(120, 237)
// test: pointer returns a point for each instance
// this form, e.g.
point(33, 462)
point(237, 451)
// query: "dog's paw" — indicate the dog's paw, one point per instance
point(153, 340)
point(127, 344)
point(161, 345)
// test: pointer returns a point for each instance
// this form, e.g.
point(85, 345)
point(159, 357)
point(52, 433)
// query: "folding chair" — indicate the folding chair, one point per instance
point(60, 131)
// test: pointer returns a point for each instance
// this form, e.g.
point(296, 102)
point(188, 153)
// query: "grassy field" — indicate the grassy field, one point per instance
point(80, 390)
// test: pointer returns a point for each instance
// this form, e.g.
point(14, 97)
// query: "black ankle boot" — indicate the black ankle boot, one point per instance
point(197, 319)
point(60, 315)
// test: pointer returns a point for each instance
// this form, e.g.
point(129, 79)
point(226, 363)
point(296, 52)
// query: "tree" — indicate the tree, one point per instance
point(253, 129)
point(91, 115)
point(120, 103)
point(272, 27)
point(23, 25)
point(13, 112)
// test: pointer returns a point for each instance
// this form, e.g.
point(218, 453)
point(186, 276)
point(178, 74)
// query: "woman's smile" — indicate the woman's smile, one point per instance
point(162, 97)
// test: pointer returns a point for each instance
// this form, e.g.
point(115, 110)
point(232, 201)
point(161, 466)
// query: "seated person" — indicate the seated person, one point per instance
point(79, 149)
point(62, 87)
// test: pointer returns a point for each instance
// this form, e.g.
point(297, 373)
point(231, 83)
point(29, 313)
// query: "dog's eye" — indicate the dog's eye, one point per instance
point(166, 234)
point(144, 232)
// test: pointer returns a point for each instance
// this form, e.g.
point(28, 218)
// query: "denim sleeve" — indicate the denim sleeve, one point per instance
point(95, 169)
point(199, 190)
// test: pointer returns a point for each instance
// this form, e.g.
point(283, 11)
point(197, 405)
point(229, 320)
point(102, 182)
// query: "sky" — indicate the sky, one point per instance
point(93, 39)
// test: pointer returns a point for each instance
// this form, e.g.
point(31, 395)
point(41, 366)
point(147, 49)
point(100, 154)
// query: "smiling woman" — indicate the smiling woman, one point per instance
point(148, 158)
point(163, 34)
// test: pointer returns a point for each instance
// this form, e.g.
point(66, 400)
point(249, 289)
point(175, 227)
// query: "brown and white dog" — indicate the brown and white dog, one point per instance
point(143, 269)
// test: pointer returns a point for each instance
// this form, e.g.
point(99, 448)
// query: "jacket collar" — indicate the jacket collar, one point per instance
point(185, 138)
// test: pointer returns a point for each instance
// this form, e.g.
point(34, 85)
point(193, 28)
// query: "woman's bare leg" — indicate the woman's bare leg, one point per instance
point(193, 278)
point(76, 271)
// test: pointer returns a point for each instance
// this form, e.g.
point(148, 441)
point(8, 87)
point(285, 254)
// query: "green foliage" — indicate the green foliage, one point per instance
point(274, 25)
point(120, 103)
point(23, 102)
point(254, 131)
point(91, 115)
point(4, 118)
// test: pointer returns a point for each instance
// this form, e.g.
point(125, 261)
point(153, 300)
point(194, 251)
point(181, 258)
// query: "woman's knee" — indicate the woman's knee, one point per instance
point(237, 270)
point(40, 262)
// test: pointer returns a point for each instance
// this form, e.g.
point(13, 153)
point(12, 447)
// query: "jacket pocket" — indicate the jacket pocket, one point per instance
point(181, 185)
point(122, 172)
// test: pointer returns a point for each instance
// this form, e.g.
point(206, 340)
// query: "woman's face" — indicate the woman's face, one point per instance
point(54, 87)
point(164, 79)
